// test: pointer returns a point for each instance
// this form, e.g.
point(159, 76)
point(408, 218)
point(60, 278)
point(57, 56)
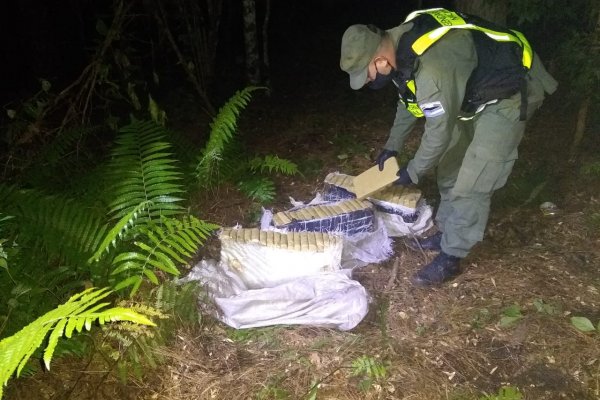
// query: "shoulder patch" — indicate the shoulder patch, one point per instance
point(432, 109)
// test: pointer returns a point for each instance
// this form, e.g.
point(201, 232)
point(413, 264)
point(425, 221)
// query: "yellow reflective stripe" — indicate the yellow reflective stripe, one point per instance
point(425, 41)
point(411, 106)
point(527, 52)
point(414, 109)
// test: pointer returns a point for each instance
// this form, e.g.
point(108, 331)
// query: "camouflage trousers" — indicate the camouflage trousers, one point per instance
point(478, 161)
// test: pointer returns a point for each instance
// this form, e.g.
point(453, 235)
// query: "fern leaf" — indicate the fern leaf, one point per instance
point(53, 341)
point(133, 281)
point(126, 222)
point(259, 189)
point(223, 128)
point(61, 226)
point(143, 169)
point(151, 276)
point(272, 163)
point(79, 311)
point(172, 241)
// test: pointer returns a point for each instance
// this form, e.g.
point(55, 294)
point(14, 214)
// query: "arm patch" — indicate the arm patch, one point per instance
point(432, 109)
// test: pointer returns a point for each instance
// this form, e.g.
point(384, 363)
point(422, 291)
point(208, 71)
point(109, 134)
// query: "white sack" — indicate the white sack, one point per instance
point(331, 300)
point(367, 247)
point(396, 226)
point(260, 266)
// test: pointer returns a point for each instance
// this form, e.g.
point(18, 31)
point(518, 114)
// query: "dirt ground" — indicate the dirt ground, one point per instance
point(452, 342)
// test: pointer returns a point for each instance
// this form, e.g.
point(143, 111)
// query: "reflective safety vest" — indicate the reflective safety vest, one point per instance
point(504, 57)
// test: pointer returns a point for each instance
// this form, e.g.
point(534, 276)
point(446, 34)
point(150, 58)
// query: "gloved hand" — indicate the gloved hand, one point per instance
point(403, 177)
point(384, 155)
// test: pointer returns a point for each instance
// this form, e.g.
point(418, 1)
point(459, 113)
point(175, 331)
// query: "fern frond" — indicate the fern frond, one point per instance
point(222, 129)
point(62, 226)
point(119, 230)
point(79, 312)
point(258, 188)
point(143, 170)
point(172, 242)
point(272, 163)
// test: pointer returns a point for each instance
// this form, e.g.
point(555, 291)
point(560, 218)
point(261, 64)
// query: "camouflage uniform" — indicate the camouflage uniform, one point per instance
point(473, 157)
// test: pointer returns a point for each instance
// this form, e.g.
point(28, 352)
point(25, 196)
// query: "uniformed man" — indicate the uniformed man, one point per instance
point(476, 84)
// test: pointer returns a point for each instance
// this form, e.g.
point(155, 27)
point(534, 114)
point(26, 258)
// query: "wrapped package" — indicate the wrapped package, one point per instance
point(267, 258)
point(347, 217)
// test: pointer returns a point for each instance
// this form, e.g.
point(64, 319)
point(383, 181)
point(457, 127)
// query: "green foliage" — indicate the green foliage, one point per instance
point(132, 347)
point(310, 167)
point(545, 308)
point(143, 170)
point(481, 319)
point(273, 164)
point(57, 226)
point(79, 312)
point(222, 129)
point(505, 393)
point(64, 158)
point(179, 301)
point(314, 390)
point(347, 144)
point(119, 230)
point(591, 169)
point(369, 369)
point(572, 42)
point(583, 324)
point(272, 391)
point(267, 336)
point(510, 316)
point(223, 159)
point(577, 60)
point(3, 240)
point(158, 248)
point(258, 188)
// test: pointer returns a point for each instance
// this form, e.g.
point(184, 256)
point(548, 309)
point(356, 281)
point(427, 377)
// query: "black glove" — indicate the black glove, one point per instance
point(384, 155)
point(403, 177)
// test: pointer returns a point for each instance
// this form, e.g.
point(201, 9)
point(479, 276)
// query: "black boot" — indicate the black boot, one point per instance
point(432, 243)
point(443, 267)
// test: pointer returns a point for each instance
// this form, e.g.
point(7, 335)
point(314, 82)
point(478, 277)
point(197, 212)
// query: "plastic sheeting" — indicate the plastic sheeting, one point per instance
point(330, 300)
point(322, 298)
point(415, 226)
point(260, 266)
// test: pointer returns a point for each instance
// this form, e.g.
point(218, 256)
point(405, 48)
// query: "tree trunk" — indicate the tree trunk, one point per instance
point(494, 11)
point(265, 43)
point(251, 42)
point(579, 128)
point(587, 101)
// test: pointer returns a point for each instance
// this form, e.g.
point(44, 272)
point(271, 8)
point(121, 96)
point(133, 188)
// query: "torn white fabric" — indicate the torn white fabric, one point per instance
point(367, 248)
point(396, 226)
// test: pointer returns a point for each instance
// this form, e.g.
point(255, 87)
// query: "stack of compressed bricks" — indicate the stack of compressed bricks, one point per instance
point(296, 241)
point(262, 259)
point(348, 216)
point(338, 187)
point(403, 196)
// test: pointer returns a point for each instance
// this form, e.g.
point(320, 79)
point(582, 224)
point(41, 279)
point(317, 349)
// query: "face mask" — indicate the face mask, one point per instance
point(380, 81)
